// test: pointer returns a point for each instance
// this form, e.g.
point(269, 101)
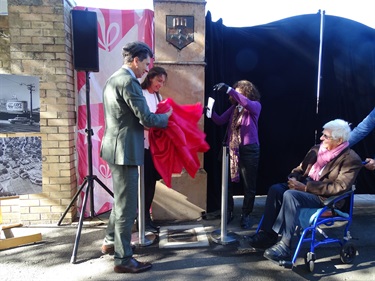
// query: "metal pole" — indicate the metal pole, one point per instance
point(141, 207)
point(224, 238)
point(143, 240)
point(320, 59)
point(89, 133)
point(224, 192)
point(319, 65)
point(31, 102)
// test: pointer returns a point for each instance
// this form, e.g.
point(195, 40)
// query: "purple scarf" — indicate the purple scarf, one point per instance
point(325, 156)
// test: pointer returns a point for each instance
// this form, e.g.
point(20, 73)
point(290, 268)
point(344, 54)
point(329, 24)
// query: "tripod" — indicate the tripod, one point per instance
point(89, 179)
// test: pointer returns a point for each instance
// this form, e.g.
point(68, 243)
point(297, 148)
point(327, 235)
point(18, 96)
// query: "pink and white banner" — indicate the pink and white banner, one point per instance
point(115, 29)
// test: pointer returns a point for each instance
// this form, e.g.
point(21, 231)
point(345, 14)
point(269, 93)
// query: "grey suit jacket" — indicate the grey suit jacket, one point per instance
point(126, 112)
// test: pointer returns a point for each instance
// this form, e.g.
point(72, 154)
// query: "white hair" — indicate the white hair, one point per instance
point(339, 129)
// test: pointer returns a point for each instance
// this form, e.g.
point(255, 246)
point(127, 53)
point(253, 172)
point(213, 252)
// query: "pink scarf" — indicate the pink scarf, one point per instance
point(325, 156)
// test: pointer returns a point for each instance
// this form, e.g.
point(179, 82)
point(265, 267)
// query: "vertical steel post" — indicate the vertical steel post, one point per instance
point(224, 238)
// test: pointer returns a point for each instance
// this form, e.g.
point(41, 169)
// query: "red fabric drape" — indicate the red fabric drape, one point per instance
point(177, 146)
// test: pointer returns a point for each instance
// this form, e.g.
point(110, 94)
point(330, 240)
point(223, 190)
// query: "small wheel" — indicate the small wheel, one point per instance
point(310, 261)
point(348, 252)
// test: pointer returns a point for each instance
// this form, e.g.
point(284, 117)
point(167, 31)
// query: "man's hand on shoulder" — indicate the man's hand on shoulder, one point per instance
point(370, 164)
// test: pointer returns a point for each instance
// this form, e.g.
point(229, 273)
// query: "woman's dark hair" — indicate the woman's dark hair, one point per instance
point(248, 89)
point(153, 72)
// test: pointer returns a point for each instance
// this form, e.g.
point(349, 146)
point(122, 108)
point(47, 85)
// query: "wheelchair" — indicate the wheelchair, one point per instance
point(328, 216)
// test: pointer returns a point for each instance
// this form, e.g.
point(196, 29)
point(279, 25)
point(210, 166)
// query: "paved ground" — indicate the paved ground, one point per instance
point(50, 259)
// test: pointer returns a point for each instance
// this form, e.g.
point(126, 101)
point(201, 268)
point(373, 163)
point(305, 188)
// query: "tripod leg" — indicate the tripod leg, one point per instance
point(90, 181)
point(78, 234)
point(72, 202)
point(103, 185)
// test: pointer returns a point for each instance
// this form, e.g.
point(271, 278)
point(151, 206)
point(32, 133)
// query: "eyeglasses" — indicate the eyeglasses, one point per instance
point(326, 137)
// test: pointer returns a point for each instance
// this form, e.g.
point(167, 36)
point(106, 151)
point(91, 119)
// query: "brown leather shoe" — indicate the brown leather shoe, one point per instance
point(108, 249)
point(133, 266)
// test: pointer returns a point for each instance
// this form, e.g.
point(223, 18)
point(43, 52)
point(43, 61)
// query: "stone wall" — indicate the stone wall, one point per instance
point(186, 69)
point(4, 45)
point(36, 40)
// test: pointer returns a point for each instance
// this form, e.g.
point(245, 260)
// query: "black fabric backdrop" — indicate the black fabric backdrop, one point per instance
point(281, 59)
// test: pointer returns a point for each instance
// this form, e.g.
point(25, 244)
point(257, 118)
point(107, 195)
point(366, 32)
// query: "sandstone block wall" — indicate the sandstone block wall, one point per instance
point(35, 40)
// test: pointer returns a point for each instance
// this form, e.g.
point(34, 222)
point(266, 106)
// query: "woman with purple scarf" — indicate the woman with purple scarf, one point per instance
point(327, 170)
point(243, 142)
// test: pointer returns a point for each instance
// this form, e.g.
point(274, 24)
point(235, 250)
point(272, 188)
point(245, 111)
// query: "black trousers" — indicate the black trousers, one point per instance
point(151, 175)
point(248, 169)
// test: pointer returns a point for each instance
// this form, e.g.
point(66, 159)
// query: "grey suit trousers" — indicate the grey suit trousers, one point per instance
point(124, 210)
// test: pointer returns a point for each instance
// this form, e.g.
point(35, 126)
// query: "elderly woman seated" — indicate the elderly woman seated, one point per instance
point(328, 169)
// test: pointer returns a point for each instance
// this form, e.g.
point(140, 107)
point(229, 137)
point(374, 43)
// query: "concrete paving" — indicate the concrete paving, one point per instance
point(50, 259)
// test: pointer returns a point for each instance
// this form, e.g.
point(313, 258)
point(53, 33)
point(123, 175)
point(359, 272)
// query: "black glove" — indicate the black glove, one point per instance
point(221, 87)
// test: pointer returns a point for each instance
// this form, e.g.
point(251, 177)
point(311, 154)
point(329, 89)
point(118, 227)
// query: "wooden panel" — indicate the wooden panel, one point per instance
point(17, 241)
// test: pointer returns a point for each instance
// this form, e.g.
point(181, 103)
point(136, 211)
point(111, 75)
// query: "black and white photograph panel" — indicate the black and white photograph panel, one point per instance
point(19, 103)
point(20, 166)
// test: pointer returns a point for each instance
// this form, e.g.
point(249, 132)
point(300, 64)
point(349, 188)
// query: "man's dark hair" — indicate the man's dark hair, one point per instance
point(136, 49)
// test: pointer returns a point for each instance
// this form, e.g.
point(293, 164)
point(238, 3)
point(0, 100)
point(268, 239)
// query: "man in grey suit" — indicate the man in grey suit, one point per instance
point(126, 114)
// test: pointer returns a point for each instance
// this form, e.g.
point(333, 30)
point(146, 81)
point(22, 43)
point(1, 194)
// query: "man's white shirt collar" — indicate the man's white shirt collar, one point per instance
point(129, 69)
